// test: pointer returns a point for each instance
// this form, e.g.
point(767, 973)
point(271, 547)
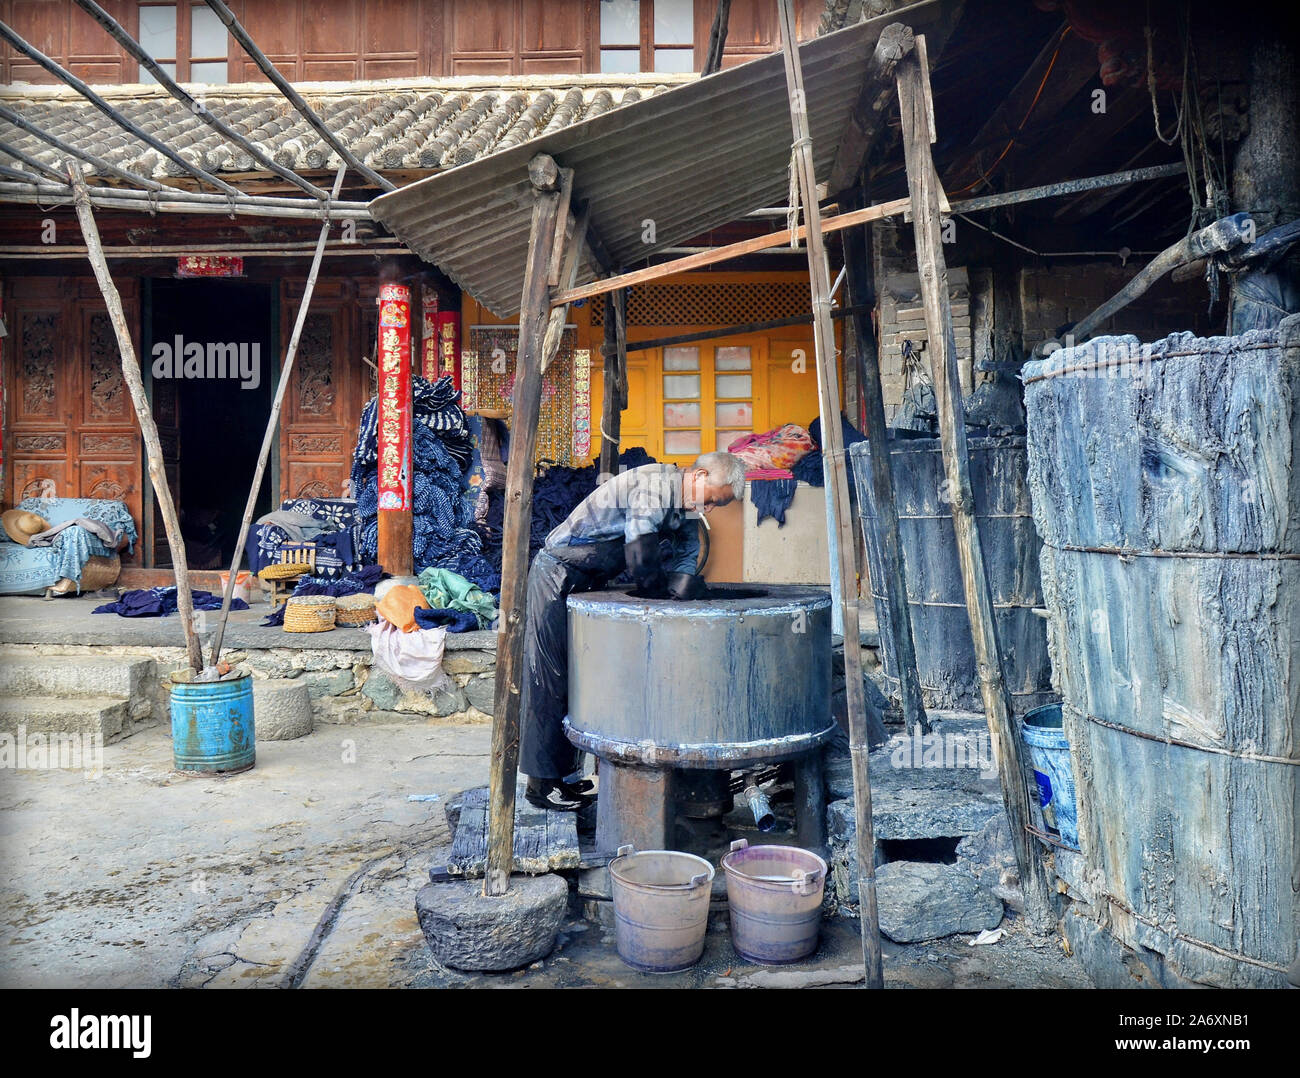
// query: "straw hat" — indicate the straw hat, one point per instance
point(21, 525)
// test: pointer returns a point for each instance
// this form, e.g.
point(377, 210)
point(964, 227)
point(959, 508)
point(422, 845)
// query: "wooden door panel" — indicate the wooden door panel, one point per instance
point(40, 479)
point(37, 345)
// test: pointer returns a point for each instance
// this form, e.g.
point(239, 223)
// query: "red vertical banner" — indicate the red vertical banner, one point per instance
point(449, 345)
point(429, 335)
point(394, 397)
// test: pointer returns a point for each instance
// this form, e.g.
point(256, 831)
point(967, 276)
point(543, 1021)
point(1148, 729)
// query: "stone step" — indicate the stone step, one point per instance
point(106, 716)
point(75, 675)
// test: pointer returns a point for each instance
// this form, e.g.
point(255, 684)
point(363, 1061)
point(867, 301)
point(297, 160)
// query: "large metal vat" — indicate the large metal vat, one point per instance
point(744, 675)
point(1165, 486)
point(936, 599)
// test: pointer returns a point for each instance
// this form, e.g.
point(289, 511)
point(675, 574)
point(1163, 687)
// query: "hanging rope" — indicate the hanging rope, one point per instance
point(1151, 86)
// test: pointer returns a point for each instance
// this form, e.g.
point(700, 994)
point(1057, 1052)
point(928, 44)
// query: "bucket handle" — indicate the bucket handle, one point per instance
point(740, 844)
point(699, 880)
point(802, 883)
point(625, 850)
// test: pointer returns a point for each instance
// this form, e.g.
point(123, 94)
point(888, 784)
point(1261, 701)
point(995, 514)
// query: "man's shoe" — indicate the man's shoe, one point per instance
point(555, 796)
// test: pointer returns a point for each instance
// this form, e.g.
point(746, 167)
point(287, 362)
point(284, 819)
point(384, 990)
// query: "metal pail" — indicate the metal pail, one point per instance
point(774, 895)
point(212, 724)
point(661, 908)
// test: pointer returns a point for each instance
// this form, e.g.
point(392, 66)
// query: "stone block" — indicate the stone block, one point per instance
point(381, 689)
point(481, 692)
point(923, 901)
point(328, 682)
point(281, 709)
point(469, 662)
point(466, 930)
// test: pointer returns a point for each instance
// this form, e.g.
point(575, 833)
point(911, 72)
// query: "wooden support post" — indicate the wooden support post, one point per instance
point(396, 516)
point(533, 312)
point(148, 428)
point(923, 186)
point(272, 424)
point(892, 614)
point(840, 519)
point(615, 395)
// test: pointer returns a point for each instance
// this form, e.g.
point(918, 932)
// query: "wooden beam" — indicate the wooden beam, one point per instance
point(840, 522)
point(730, 251)
point(614, 400)
point(732, 331)
point(565, 273)
point(533, 310)
point(717, 38)
point(874, 98)
point(144, 414)
point(272, 426)
point(923, 186)
point(893, 612)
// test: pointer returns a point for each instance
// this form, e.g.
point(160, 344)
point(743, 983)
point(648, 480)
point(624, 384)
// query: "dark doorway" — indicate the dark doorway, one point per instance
point(213, 363)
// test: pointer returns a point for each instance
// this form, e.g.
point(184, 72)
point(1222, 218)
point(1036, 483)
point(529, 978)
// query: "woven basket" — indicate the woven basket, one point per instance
point(99, 572)
point(356, 609)
point(282, 571)
point(309, 614)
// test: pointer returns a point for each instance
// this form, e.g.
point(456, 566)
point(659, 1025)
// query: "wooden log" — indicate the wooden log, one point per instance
point(840, 520)
point(565, 260)
point(614, 400)
point(272, 425)
point(533, 310)
point(148, 428)
point(923, 188)
point(857, 263)
point(717, 38)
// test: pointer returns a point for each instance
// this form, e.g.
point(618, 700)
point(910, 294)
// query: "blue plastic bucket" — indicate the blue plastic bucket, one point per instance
point(1049, 755)
point(212, 724)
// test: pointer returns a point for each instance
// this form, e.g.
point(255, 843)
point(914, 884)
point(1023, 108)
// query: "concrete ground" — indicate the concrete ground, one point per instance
point(304, 871)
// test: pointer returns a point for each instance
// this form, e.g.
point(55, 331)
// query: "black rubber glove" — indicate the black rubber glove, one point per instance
point(646, 567)
point(686, 586)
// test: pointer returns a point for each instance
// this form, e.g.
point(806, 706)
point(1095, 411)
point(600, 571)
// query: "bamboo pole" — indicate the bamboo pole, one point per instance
point(118, 34)
point(840, 521)
point(148, 428)
point(295, 99)
point(913, 81)
point(272, 422)
point(31, 162)
point(533, 311)
point(896, 619)
point(177, 201)
point(102, 166)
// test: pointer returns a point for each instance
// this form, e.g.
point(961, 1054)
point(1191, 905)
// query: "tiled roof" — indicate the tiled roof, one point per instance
point(429, 124)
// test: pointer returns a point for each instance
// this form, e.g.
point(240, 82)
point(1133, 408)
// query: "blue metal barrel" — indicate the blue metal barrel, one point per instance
point(212, 724)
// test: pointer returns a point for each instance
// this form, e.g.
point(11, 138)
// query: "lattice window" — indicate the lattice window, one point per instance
point(711, 304)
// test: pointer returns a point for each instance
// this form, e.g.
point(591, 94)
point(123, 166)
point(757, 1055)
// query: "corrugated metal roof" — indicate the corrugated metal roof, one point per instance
point(690, 159)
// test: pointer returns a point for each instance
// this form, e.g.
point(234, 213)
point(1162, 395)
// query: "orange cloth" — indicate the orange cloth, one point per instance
point(399, 606)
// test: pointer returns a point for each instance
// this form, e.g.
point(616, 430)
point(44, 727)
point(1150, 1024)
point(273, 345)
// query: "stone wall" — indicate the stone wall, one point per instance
point(344, 688)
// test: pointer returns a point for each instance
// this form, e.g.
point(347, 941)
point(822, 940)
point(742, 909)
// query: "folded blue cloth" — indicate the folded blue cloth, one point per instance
point(455, 621)
point(159, 602)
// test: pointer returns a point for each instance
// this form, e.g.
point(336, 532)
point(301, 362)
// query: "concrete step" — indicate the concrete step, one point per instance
point(107, 716)
point(25, 674)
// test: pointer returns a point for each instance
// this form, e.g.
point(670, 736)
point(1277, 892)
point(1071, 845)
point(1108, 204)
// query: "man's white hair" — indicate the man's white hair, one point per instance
point(725, 470)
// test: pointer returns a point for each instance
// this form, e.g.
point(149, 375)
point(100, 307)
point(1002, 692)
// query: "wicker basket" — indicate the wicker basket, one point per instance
point(309, 614)
point(356, 609)
point(281, 571)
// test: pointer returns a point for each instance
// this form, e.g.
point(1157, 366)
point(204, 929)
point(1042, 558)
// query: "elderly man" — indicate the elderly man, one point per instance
point(626, 523)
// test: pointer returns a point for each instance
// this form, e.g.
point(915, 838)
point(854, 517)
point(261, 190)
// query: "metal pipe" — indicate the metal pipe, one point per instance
point(68, 78)
point(758, 803)
point(295, 99)
point(118, 34)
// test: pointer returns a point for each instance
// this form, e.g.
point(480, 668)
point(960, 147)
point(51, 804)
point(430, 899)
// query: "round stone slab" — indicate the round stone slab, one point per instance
point(281, 709)
point(465, 930)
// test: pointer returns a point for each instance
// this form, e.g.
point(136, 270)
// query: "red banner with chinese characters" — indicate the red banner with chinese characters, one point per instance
point(429, 335)
point(449, 345)
point(394, 418)
point(209, 266)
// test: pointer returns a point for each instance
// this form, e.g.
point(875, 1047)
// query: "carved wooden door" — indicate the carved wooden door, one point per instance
point(323, 405)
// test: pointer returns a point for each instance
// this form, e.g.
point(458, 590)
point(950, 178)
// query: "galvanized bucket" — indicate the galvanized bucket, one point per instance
point(212, 724)
point(661, 908)
point(774, 894)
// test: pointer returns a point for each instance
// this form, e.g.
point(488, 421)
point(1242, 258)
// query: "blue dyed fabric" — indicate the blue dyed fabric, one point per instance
point(27, 569)
point(454, 621)
point(337, 550)
point(159, 602)
point(772, 497)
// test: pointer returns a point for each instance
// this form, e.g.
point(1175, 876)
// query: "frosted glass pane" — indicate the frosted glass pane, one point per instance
point(735, 414)
point(146, 77)
point(728, 438)
point(681, 387)
point(620, 61)
point(620, 22)
point(675, 22)
point(213, 73)
point(682, 415)
point(670, 61)
point(733, 358)
point(681, 359)
point(733, 385)
point(207, 34)
point(158, 31)
point(681, 442)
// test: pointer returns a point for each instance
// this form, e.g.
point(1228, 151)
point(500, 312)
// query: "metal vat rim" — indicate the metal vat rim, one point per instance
point(710, 755)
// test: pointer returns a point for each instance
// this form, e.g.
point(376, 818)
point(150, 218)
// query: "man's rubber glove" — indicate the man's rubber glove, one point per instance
point(686, 586)
point(646, 567)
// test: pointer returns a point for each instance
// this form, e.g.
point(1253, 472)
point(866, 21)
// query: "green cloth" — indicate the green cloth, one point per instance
point(446, 590)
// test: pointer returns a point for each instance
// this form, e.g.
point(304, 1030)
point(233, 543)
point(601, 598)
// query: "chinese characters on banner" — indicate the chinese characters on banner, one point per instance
point(209, 266)
point(394, 397)
point(429, 335)
point(449, 345)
